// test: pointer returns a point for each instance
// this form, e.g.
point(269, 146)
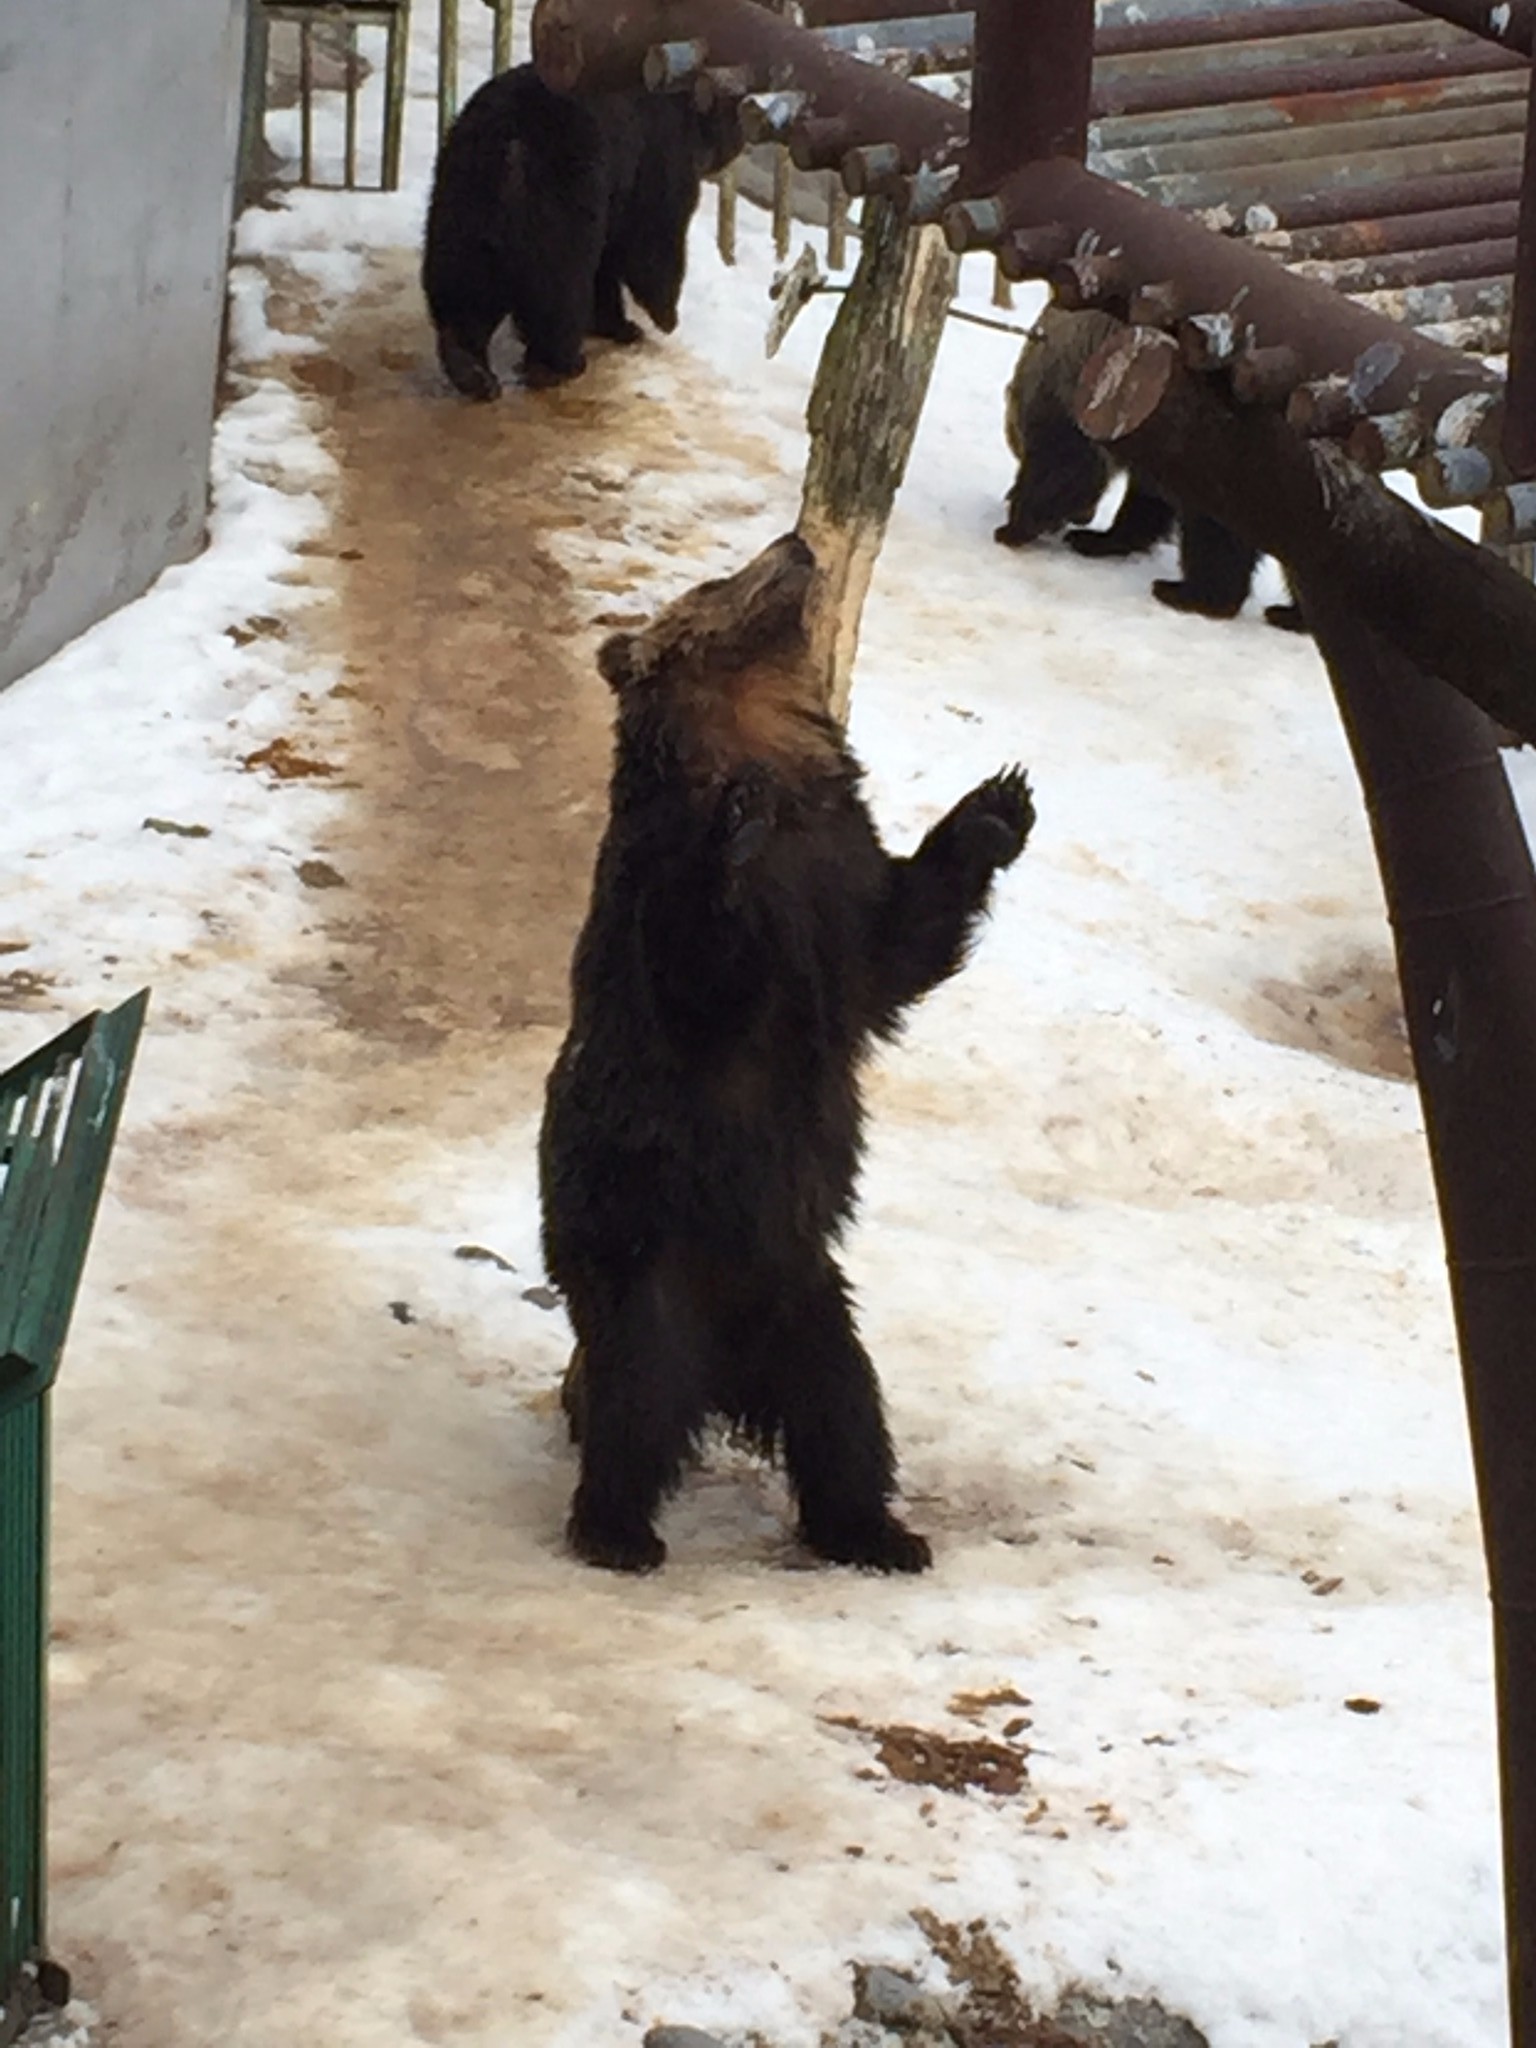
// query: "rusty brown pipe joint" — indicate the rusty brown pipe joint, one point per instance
point(1324, 410)
point(1390, 440)
point(669, 67)
point(1212, 341)
point(769, 116)
point(1456, 476)
point(819, 143)
point(975, 224)
point(1034, 252)
point(1090, 278)
point(874, 170)
point(1157, 305)
point(1509, 518)
point(721, 84)
point(1265, 376)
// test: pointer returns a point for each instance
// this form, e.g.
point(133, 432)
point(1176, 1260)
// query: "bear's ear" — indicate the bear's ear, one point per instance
point(618, 661)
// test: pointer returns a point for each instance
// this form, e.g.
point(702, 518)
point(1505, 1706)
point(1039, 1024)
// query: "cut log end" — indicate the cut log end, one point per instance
point(1124, 382)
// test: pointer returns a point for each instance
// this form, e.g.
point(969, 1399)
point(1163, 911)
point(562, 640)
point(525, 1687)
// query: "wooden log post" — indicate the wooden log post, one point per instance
point(1461, 895)
point(863, 416)
point(1452, 608)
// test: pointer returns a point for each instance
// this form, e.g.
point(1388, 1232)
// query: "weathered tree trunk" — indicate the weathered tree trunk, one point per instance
point(1461, 893)
point(864, 410)
point(1451, 607)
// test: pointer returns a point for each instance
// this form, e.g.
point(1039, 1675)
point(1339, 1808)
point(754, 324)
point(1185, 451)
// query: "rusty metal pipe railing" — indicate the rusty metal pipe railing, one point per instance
point(1030, 98)
point(588, 42)
point(590, 45)
point(1439, 303)
point(1448, 229)
point(1348, 39)
point(1520, 418)
point(1422, 266)
point(1293, 81)
point(1329, 333)
point(1198, 31)
point(1359, 146)
point(1392, 197)
point(1234, 188)
point(1286, 122)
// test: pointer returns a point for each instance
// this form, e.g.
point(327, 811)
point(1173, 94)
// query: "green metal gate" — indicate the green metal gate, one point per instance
point(58, 1117)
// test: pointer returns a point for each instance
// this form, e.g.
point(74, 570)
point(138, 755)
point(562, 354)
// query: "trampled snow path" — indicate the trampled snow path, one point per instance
point(345, 1749)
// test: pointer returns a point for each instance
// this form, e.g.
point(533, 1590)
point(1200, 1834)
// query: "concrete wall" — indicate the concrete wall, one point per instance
point(118, 132)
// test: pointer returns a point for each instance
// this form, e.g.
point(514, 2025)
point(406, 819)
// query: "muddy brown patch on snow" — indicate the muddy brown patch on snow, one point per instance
point(1347, 1010)
point(480, 728)
point(919, 1756)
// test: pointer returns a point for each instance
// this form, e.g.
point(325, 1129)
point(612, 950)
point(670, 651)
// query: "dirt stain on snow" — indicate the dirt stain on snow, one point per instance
point(1348, 1010)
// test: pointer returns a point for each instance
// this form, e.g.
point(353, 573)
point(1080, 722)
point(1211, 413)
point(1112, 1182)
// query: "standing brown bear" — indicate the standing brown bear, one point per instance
point(748, 938)
point(546, 207)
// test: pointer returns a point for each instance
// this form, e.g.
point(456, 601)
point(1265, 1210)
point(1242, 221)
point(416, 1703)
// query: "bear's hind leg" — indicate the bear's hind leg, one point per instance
point(553, 295)
point(639, 1405)
point(1217, 570)
point(1060, 480)
point(609, 318)
point(836, 1447)
point(461, 349)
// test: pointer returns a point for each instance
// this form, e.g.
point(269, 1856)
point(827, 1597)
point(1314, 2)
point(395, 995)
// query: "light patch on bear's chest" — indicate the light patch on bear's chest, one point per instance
point(762, 716)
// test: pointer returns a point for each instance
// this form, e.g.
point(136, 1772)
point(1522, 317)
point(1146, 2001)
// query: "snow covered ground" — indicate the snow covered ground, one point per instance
point(346, 1749)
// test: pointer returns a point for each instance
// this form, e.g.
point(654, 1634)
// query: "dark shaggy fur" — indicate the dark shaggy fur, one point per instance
point(1063, 474)
point(545, 208)
point(748, 937)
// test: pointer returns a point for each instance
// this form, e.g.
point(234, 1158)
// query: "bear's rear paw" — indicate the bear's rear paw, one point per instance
point(541, 376)
point(886, 1546)
point(614, 1550)
point(1183, 597)
point(617, 328)
point(997, 817)
point(468, 373)
point(1009, 535)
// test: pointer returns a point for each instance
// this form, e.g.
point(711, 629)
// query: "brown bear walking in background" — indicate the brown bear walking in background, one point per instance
point(1063, 474)
point(546, 208)
point(748, 937)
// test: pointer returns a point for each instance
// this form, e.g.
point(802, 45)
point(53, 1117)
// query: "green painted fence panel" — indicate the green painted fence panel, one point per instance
point(58, 1117)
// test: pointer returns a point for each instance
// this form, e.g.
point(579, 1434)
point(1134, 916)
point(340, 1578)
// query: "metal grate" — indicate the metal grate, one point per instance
point(333, 74)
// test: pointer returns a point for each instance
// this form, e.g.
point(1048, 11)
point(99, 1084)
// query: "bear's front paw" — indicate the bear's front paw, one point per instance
point(883, 1546)
point(1180, 596)
point(612, 1548)
point(467, 371)
point(996, 819)
point(539, 375)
